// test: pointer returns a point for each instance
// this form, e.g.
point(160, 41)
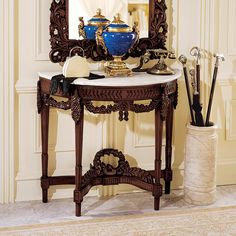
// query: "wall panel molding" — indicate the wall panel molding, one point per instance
point(139, 131)
point(27, 88)
point(231, 26)
point(207, 13)
point(42, 46)
point(226, 79)
point(226, 172)
point(7, 73)
point(2, 147)
point(230, 120)
point(32, 181)
point(37, 133)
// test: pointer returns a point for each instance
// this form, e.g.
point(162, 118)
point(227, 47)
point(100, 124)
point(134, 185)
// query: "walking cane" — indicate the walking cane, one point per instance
point(196, 52)
point(218, 58)
point(183, 60)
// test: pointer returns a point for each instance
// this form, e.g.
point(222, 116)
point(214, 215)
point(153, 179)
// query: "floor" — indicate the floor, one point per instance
point(33, 212)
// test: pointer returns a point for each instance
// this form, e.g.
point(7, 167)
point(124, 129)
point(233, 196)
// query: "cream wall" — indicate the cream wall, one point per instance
point(7, 104)
point(191, 22)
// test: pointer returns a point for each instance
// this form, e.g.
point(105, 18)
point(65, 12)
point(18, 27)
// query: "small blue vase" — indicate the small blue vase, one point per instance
point(88, 31)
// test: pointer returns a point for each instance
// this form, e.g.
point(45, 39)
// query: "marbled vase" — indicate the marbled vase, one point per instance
point(200, 165)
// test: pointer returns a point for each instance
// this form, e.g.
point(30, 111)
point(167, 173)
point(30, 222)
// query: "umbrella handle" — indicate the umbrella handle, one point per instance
point(218, 58)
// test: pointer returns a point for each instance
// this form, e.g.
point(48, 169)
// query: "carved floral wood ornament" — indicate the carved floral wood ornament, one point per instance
point(61, 44)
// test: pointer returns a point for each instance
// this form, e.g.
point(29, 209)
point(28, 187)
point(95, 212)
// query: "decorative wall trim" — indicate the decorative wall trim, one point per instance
point(40, 54)
point(29, 88)
point(226, 171)
point(2, 147)
point(230, 120)
point(37, 133)
point(108, 140)
point(227, 80)
point(231, 26)
point(138, 140)
point(7, 117)
point(32, 181)
point(207, 13)
point(173, 34)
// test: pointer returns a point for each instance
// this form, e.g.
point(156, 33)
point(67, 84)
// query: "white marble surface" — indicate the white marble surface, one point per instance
point(200, 165)
point(137, 79)
point(33, 212)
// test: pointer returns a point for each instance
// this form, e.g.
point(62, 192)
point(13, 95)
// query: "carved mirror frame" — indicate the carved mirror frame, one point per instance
point(61, 44)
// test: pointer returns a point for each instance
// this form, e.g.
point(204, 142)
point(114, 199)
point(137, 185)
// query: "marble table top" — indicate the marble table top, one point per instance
point(137, 79)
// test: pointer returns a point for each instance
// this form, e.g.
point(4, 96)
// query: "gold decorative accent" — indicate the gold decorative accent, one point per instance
point(102, 23)
point(121, 30)
point(161, 68)
point(100, 40)
point(117, 67)
point(118, 21)
point(99, 16)
point(81, 27)
point(135, 29)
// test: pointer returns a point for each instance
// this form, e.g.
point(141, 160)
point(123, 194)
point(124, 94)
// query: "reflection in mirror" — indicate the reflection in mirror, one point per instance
point(62, 43)
point(130, 10)
point(138, 12)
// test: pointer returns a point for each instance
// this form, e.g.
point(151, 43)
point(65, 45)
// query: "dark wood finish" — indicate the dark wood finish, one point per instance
point(168, 149)
point(163, 100)
point(61, 44)
point(157, 190)
point(78, 196)
point(44, 131)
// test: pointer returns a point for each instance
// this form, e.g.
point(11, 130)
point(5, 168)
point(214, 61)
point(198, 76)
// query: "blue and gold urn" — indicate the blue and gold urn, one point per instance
point(88, 31)
point(116, 39)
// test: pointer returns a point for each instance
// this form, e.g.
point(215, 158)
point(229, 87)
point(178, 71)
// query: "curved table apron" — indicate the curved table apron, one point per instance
point(161, 91)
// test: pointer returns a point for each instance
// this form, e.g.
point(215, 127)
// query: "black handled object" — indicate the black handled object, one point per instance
point(218, 57)
point(197, 107)
point(183, 60)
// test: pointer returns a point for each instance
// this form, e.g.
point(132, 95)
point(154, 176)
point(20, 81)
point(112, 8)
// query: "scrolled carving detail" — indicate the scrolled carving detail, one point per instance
point(165, 103)
point(158, 24)
point(61, 44)
point(49, 101)
point(123, 107)
point(76, 107)
point(100, 169)
point(175, 97)
point(39, 97)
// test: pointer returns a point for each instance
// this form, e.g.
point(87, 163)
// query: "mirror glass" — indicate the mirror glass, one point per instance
point(130, 11)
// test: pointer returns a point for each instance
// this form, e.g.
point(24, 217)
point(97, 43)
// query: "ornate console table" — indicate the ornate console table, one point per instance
point(122, 92)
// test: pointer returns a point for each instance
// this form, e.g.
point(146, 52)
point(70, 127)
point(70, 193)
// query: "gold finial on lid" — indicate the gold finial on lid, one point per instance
point(117, 19)
point(99, 11)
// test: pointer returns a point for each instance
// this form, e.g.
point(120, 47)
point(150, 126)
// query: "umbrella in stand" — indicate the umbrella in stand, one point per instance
point(197, 107)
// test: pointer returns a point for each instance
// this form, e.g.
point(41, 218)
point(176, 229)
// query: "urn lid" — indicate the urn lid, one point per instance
point(117, 25)
point(98, 19)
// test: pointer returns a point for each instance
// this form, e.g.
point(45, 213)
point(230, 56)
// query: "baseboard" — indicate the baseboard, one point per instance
point(226, 173)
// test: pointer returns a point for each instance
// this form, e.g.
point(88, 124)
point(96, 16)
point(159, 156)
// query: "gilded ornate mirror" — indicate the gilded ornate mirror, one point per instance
point(62, 41)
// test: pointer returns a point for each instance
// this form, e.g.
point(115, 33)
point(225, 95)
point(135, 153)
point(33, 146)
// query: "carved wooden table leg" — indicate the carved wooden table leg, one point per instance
point(157, 188)
point(44, 130)
point(168, 150)
point(78, 197)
